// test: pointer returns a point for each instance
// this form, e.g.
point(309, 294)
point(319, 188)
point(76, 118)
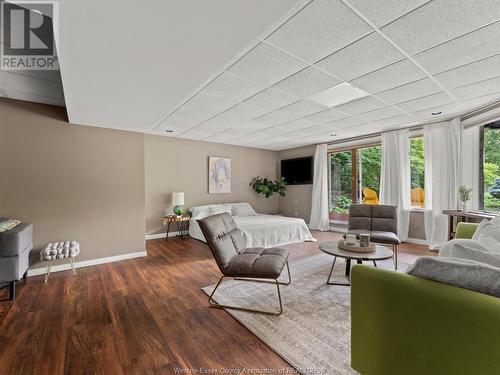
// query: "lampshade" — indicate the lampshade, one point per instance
point(177, 198)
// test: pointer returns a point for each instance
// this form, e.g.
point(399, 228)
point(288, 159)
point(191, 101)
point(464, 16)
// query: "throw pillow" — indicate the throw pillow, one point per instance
point(463, 273)
point(491, 228)
point(474, 253)
point(490, 243)
point(243, 209)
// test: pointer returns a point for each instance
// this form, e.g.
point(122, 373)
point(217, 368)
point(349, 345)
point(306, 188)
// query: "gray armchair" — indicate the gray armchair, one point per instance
point(227, 244)
point(15, 247)
point(379, 221)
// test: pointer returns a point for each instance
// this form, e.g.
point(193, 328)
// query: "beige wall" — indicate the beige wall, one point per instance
point(297, 202)
point(72, 182)
point(173, 164)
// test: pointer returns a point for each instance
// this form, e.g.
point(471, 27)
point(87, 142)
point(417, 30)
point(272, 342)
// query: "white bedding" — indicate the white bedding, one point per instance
point(265, 230)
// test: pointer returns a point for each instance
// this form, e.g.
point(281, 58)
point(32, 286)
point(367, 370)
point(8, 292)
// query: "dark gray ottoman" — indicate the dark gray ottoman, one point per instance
point(15, 247)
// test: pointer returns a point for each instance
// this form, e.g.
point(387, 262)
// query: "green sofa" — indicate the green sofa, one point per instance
point(403, 324)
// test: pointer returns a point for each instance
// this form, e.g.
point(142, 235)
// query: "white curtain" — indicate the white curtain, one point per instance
point(320, 202)
point(395, 176)
point(470, 163)
point(442, 144)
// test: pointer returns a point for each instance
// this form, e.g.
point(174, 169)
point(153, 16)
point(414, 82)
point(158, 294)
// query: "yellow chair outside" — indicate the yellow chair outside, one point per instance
point(369, 196)
point(417, 197)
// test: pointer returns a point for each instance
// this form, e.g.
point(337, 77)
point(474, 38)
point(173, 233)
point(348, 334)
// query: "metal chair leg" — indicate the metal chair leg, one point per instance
point(395, 250)
point(47, 272)
point(73, 268)
point(219, 306)
point(12, 291)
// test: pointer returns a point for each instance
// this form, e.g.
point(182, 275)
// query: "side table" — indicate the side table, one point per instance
point(182, 223)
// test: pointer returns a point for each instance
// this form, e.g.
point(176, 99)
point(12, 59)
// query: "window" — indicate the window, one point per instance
point(417, 171)
point(490, 176)
point(355, 177)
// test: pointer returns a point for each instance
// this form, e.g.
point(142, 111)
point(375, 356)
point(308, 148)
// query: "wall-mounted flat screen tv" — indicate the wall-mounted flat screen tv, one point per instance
point(298, 171)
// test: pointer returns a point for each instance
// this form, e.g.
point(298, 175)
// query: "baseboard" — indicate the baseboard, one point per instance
point(160, 235)
point(87, 263)
point(417, 241)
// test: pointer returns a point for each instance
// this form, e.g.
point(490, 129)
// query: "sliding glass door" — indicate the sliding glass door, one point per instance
point(490, 168)
point(354, 178)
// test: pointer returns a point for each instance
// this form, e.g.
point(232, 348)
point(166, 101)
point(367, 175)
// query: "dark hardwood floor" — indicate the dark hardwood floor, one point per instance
point(145, 315)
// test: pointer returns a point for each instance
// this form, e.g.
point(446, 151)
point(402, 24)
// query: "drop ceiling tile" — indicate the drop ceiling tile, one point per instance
point(269, 100)
point(391, 76)
point(319, 129)
point(34, 98)
point(396, 120)
point(174, 123)
point(383, 12)
point(474, 103)
point(195, 134)
point(471, 73)
point(381, 113)
point(474, 46)
point(325, 116)
point(28, 85)
point(226, 135)
point(296, 124)
point(487, 87)
point(446, 110)
point(243, 111)
point(366, 104)
point(429, 101)
point(230, 86)
point(273, 118)
point(321, 28)
point(344, 122)
point(307, 82)
point(439, 21)
point(409, 91)
point(202, 107)
point(248, 124)
point(266, 65)
point(362, 57)
point(299, 109)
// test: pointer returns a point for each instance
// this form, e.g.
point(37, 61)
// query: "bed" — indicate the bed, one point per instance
point(260, 230)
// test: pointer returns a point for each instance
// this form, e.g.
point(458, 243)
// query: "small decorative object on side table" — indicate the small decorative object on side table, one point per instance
point(182, 223)
point(59, 250)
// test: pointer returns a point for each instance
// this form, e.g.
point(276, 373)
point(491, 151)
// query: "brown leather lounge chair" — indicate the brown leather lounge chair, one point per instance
point(227, 244)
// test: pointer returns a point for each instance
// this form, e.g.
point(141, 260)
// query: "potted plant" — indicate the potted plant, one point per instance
point(267, 187)
point(464, 195)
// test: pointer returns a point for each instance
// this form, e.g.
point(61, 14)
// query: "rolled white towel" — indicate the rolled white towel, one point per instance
point(73, 243)
point(55, 245)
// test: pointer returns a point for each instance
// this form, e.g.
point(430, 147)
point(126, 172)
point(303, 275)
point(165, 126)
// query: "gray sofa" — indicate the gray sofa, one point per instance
point(379, 221)
point(15, 247)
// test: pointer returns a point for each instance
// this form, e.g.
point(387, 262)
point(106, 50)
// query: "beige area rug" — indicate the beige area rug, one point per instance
point(314, 332)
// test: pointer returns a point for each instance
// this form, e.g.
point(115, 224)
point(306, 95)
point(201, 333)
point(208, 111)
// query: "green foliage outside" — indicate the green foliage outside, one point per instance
point(491, 169)
point(417, 162)
point(371, 163)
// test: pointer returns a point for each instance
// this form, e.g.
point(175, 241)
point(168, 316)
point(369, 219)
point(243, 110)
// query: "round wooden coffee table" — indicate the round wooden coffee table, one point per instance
point(331, 248)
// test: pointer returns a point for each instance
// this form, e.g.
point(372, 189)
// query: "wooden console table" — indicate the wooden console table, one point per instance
point(470, 216)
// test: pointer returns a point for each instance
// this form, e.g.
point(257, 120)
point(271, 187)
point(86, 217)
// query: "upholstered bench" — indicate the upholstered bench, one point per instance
point(15, 247)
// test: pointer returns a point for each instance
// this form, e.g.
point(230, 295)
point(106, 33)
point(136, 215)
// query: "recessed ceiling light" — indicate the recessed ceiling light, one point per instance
point(436, 113)
point(169, 131)
point(338, 95)
point(333, 135)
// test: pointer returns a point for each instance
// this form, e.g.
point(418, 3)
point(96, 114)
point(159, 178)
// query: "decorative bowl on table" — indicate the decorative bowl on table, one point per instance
point(356, 248)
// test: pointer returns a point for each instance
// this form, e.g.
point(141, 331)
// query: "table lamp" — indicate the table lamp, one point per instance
point(178, 201)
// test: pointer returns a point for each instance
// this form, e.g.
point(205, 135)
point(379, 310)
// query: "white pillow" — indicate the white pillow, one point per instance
point(221, 209)
point(490, 243)
point(243, 209)
point(463, 251)
point(491, 228)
